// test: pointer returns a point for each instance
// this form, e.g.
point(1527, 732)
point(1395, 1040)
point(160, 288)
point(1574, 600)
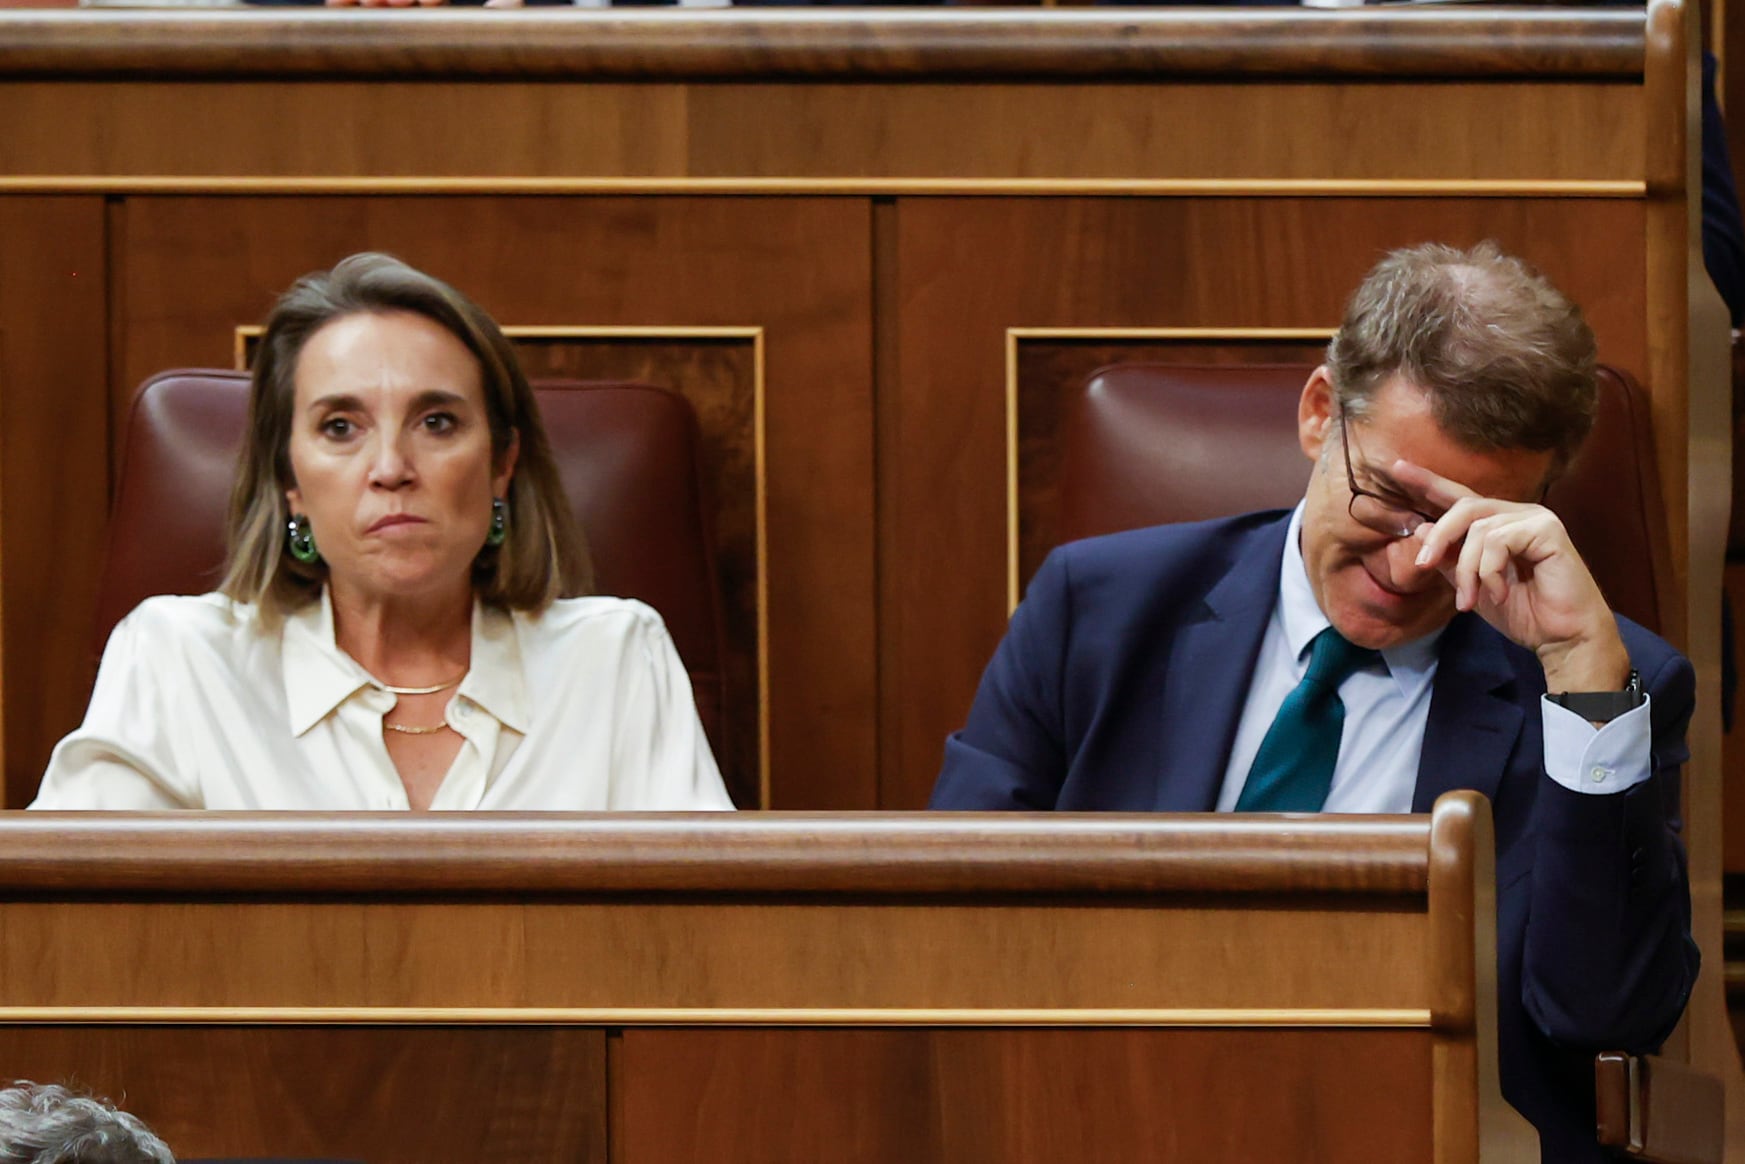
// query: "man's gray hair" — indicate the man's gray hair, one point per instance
point(1505, 358)
point(48, 1124)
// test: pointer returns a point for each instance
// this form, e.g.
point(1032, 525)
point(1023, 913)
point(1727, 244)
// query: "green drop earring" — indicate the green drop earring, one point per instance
point(499, 522)
point(300, 540)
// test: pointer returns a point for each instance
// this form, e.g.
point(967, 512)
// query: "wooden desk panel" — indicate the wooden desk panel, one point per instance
point(386, 1095)
point(599, 958)
point(1496, 131)
point(769, 988)
point(1032, 1097)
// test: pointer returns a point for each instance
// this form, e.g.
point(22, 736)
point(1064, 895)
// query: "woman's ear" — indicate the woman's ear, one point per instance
point(506, 465)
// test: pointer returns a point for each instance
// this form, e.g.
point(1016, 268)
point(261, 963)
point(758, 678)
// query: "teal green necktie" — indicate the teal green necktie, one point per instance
point(1293, 770)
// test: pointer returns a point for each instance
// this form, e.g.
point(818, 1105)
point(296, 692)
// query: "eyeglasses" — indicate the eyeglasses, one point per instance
point(1391, 516)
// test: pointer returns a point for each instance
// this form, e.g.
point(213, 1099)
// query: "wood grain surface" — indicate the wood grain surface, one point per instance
point(54, 467)
point(1032, 1097)
point(712, 911)
point(796, 987)
point(897, 43)
point(386, 1095)
point(1231, 130)
point(350, 856)
point(972, 957)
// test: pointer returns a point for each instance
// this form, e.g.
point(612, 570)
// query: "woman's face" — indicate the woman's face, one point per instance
point(391, 454)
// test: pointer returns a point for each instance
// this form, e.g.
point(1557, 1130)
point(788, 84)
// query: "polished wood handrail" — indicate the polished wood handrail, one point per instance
point(768, 44)
point(364, 854)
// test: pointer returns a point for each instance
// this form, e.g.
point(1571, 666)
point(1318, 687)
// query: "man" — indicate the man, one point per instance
point(1393, 637)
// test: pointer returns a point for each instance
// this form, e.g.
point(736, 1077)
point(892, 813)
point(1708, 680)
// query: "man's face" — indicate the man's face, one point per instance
point(1366, 582)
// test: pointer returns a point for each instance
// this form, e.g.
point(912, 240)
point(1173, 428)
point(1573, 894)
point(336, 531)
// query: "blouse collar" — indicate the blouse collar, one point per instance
point(319, 676)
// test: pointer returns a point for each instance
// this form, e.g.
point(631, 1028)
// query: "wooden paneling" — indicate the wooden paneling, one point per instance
point(1150, 131)
point(386, 1095)
point(1050, 371)
point(589, 956)
point(1495, 130)
point(217, 128)
point(939, 855)
point(894, 912)
point(1730, 49)
point(720, 379)
point(1030, 1097)
point(812, 45)
point(927, 996)
point(54, 471)
point(1125, 263)
point(191, 270)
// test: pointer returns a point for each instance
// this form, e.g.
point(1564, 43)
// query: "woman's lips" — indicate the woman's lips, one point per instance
point(394, 519)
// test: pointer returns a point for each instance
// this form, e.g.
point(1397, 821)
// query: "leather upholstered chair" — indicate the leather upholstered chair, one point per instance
point(1146, 444)
point(628, 455)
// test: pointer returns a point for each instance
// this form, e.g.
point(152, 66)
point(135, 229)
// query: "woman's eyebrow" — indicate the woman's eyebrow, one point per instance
point(435, 397)
point(335, 402)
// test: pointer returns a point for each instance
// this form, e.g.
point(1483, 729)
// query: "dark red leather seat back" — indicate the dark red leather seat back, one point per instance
point(1151, 443)
point(628, 454)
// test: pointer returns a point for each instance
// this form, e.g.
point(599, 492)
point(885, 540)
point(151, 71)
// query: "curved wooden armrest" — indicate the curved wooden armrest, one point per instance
point(1655, 1109)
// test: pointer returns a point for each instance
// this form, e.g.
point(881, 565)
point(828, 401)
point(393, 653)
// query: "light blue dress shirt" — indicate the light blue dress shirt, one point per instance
point(1387, 705)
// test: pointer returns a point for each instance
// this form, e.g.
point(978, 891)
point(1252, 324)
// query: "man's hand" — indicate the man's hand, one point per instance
point(1514, 564)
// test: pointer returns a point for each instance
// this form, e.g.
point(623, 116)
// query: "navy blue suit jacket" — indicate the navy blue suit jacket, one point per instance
point(1119, 686)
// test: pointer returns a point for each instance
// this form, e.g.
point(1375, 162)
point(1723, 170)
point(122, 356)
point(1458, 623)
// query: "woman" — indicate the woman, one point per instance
point(390, 632)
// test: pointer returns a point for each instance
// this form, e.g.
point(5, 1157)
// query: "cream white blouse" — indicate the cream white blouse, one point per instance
point(583, 707)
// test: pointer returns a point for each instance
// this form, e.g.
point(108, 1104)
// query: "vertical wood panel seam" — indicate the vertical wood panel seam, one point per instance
point(886, 346)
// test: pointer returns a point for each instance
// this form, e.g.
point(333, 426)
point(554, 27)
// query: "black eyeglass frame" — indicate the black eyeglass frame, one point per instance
point(1405, 527)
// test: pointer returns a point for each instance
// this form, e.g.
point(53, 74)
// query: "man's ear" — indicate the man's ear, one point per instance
point(1316, 413)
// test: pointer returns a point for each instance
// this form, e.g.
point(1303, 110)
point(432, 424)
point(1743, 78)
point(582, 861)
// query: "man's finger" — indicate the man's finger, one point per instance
point(1493, 566)
point(1438, 490)
point(1466, 567)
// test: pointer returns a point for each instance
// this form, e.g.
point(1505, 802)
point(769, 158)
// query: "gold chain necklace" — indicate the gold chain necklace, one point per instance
point(432, 690)
point(407, 729)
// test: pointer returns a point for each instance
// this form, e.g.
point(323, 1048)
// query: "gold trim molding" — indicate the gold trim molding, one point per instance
point(1410, 1018)
point(755, 334)
point(1016, 336)
point(980, 187)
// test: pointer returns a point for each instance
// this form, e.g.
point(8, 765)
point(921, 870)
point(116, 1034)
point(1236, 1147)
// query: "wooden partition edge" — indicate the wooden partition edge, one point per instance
point(5, 394)
point(771, 44)
point(1470, 1118)
point(370, 855)
point(1326, 1018)
point(351, 184)
point(1690, 378)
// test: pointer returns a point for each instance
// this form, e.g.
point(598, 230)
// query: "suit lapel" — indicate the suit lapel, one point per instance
point(1474, 718)
point(1208, 669)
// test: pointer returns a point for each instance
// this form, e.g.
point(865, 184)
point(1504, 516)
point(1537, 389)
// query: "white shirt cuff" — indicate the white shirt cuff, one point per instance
point(1610, 758)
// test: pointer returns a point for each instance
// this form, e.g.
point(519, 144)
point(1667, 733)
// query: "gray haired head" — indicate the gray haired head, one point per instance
point(48, 1124)
point(1506, 360)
